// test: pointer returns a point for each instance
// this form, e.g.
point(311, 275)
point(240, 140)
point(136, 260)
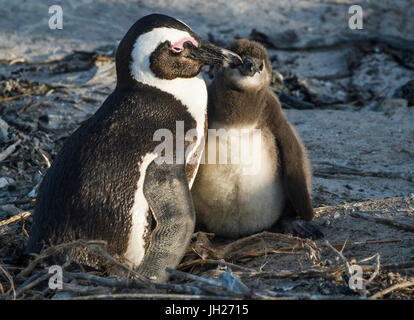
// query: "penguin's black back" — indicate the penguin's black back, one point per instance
point(88, 192)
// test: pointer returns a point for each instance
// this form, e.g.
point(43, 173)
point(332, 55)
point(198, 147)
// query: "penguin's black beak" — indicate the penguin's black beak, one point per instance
point(249, 68)
point(208, 53)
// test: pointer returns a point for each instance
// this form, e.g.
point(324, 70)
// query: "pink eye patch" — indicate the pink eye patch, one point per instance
point(179, 45)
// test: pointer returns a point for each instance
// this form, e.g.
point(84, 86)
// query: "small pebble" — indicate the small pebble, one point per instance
point(6, 182)
point(10, 209)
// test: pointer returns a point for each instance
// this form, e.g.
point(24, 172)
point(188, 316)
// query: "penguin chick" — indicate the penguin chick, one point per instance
point(268, 186)
point(106, 183)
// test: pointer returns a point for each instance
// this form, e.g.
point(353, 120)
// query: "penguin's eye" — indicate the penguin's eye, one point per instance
point(261, 66)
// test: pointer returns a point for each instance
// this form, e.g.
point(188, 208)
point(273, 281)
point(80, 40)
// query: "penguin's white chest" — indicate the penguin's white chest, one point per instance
point(192, 93)
point(194, 97)
point(237, 199)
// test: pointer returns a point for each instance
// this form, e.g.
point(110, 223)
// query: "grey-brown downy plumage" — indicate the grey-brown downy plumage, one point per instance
point(276, 192)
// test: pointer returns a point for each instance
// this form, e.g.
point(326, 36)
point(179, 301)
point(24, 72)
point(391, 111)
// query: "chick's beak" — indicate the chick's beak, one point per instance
point(248, 68)
point(210, 54)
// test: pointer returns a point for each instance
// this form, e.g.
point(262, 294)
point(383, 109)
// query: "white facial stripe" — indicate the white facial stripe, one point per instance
point(191, 92)
point(145, 45)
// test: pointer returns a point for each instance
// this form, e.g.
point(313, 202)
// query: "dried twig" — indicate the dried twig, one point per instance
point(209, 285)
point(393, 288)
point(341, 256)
point(391, 266)
point(32, 284)
point(324, 272)
point(310, 296)
point(32, 278)
point(45, 158)
point(122, 284)
point(179, 288)
point(192, 277)
point(17, 217)
point(369, 258)
point(107, 256)
point(10, 278)
point(385, 221)
point(343, 246)
point(224, 251)
point(51, 251)
point(151, 296)
point(81, 290)
point(132, 283)
point(367, 242)
point(253, 254)
point(376, 271)
point(9, 150)
point(191, 263)
point(11, 98)
point(94, 245)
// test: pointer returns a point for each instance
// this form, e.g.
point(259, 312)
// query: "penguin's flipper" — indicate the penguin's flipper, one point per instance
point(292, 162)
point(168, 195)
point(294, 176)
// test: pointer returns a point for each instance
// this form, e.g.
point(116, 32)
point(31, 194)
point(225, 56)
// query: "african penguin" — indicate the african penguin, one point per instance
point(106, 182)
point(269, 185)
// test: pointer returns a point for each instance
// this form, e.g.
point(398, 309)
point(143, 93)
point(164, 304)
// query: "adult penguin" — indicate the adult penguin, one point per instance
point(107, 182)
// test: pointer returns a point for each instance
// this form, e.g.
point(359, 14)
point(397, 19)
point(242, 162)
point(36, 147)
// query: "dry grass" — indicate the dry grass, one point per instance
point(207, 269)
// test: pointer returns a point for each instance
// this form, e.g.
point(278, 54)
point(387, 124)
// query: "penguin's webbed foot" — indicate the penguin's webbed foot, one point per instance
point(299, 228)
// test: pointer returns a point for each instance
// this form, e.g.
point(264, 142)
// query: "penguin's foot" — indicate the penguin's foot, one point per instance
point(299, 228)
